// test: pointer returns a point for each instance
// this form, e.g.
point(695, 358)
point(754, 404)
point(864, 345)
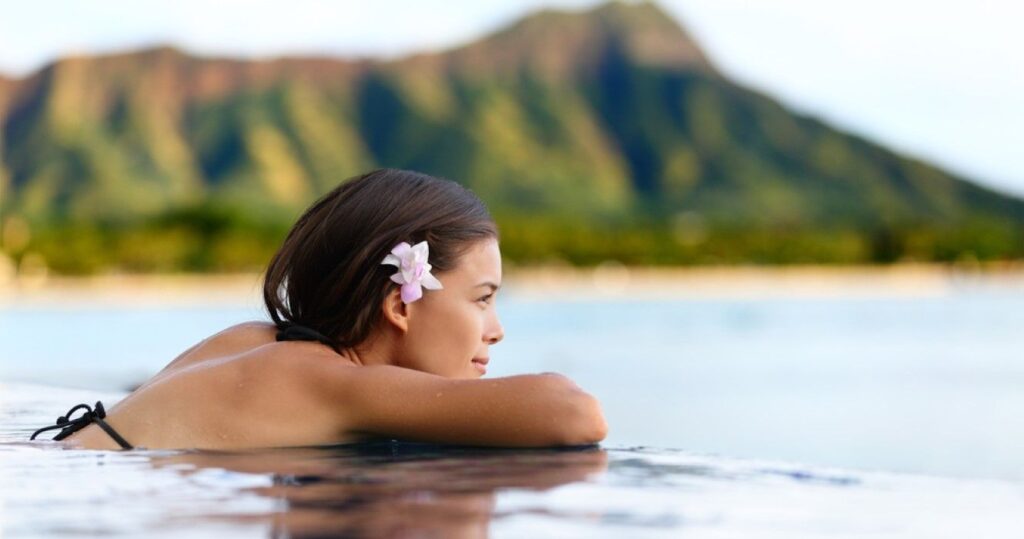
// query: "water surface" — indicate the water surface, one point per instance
point(416, 490)
point(925, 384)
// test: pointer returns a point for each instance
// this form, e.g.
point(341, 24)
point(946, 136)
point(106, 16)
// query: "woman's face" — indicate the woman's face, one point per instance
point(450, 330)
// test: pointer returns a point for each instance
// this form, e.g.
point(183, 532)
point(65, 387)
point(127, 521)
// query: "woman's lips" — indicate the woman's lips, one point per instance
point(481, 364)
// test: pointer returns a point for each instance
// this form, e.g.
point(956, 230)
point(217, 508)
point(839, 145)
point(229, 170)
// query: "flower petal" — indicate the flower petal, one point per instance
point(430, 282)
point(422, 250)
point(411, 292)
point(409, 273)
point(401, 250)
point(393, 260)
point(398, 278)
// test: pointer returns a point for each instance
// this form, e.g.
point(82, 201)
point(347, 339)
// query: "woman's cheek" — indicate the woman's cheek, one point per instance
point(424, 350)
point(461, 338)
point(463, 349)
point(443, 348)
point(446, 342)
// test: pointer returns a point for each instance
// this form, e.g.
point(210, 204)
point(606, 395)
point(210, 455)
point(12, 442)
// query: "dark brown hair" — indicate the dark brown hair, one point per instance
point(328, 275)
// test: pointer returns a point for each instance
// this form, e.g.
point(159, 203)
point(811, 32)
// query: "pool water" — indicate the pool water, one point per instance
point(417, 490)
point(863, 379)
point(859, 413)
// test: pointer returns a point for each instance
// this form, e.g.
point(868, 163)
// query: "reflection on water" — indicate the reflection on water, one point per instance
point(391, 489)
point(404, 490)
point(380, 489)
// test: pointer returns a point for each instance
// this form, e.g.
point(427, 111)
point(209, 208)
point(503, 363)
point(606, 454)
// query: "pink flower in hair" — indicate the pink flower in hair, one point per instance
point(413, 270)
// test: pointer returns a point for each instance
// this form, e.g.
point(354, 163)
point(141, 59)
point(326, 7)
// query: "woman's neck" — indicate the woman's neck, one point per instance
point(378, 349)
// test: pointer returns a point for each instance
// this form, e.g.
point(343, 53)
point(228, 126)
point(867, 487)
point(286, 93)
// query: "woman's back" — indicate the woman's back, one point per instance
point(238, 388)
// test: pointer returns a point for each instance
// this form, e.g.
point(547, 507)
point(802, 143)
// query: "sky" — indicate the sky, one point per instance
point(940, 80)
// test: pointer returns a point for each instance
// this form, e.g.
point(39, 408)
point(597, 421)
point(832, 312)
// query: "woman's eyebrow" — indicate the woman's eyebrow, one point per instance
point(493, 286)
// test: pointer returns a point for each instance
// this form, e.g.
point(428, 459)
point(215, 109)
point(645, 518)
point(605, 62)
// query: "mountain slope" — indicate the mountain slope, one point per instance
point(598, 134)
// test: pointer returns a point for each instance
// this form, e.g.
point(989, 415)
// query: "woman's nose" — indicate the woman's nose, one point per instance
point(496, 333)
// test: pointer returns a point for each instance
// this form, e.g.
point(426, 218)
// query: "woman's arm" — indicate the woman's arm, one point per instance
point(517, 411)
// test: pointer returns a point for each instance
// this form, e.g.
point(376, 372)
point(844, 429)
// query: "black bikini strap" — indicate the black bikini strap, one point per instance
point(113, 434)
point(295, 332)
point(71, 426)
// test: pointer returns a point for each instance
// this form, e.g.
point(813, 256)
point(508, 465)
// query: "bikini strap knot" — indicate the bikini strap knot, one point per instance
point(70, 426)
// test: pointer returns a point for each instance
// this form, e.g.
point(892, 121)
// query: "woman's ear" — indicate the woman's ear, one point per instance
point(396, 311)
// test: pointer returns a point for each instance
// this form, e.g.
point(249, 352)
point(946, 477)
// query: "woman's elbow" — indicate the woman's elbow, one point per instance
point(588, 425)
point(577, 417)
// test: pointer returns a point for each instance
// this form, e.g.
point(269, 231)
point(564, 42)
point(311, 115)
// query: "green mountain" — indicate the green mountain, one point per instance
point(604, 134)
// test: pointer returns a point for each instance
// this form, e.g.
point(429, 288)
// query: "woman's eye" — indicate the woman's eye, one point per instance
point(486, 299)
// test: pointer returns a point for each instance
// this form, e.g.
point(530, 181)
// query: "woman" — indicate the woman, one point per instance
point(382, 300)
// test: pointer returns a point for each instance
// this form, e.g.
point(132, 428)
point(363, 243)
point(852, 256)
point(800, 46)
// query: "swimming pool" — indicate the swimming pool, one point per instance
point(416, 490)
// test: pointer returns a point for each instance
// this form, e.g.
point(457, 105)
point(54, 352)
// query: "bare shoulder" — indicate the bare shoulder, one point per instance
point(310, 363)
point(234, 340)
point(255, 332)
